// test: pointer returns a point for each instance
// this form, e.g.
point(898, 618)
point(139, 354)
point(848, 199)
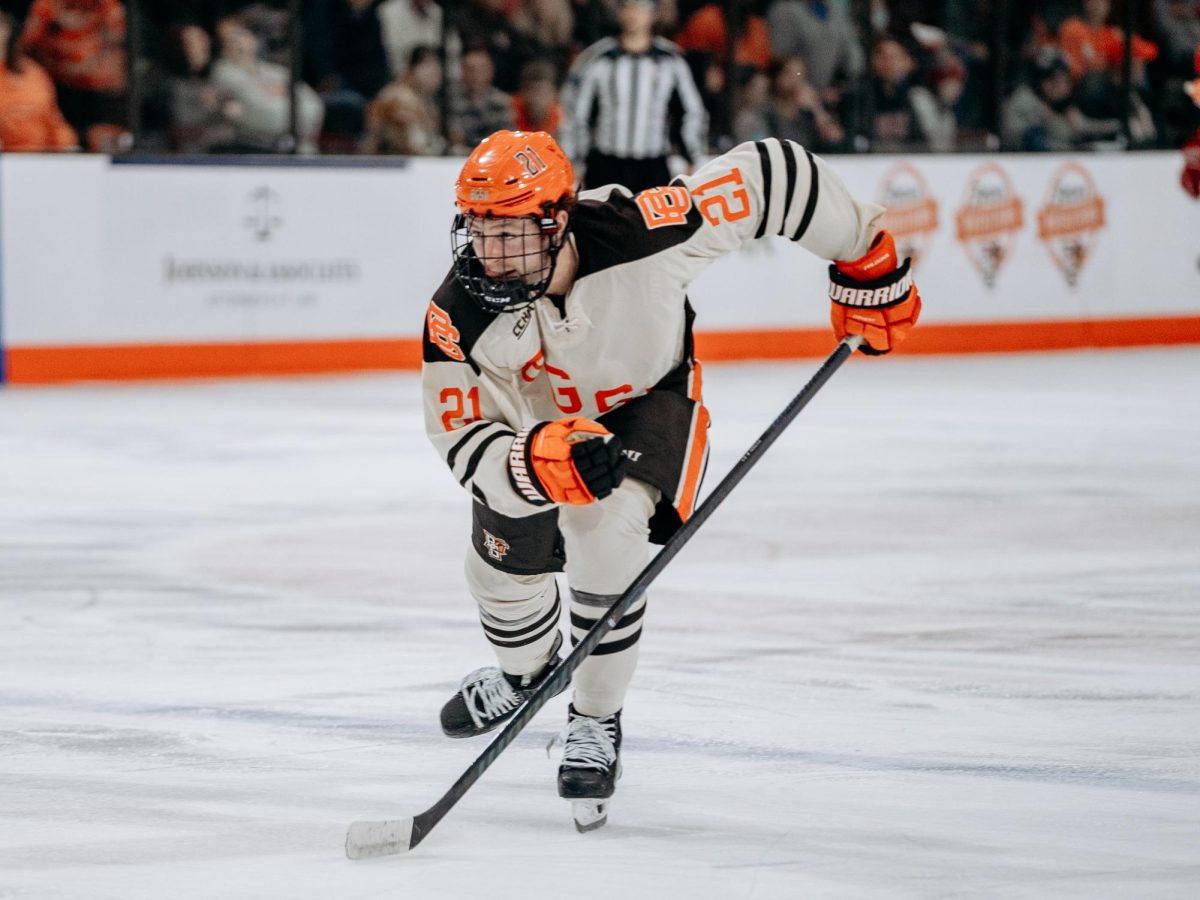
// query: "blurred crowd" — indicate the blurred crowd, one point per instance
point(423, 77)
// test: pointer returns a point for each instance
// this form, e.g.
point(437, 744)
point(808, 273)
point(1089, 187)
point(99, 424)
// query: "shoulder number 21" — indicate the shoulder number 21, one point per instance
point(458, 407)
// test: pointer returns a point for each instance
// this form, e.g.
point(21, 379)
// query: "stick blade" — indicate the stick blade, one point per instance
point(367, 840)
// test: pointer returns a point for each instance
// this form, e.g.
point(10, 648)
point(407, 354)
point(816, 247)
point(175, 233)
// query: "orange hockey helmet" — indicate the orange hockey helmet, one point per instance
point(511, 175)
point(514, 173)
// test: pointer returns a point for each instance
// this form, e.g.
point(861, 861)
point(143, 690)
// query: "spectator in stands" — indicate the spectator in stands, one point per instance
point(268, 20)
point(705, 32)
point(905, 115)
point(30, 119)
point(546, 27)
point(1043, 116)
point(796, 112)
point(1189, 178)
point(1192, 88)
point(477, 106)
point(200, 112)
point(344, 49)
point(594, 19)
point(752, 104)
point(1095, 51)
point(346, 62)
point(535, 105)
point(407, 24)
point(947, 79)
point(819, 32)
point(629, 102)
point(1179, 27)
point(82, 46)
point(485, 23)
point(958, 63)
point(405, 117)
point(259, 90)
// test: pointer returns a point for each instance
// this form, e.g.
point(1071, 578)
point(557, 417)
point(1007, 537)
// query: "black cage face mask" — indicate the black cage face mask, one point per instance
point(521, 284)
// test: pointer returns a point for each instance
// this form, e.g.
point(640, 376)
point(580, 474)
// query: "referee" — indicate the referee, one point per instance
point(628, 101)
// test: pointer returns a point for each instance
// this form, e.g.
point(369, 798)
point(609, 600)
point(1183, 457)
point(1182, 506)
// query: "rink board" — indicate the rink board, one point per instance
point(148, 269)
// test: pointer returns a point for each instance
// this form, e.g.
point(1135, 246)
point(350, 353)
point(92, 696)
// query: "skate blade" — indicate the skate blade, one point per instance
point(589, 814)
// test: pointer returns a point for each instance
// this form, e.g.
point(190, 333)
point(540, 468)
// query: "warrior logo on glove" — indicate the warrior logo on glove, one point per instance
point(573, 460)
point(874, 296)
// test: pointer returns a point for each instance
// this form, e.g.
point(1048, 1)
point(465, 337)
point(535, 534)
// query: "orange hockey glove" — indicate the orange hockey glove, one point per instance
point(874, 296)
point(573, 460)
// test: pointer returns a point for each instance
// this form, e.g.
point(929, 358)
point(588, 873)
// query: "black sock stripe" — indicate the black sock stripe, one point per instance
point(473, 463)
point(505, 634)
point(810, 207)
point(789, 163)
point(580, 622)
point(764, 160)
point(600, 601)
point(452, 456)
point(496, 642)
point(615, 646)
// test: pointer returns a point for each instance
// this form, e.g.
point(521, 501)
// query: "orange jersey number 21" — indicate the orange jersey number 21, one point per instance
point(458, 407)
point(716, 208)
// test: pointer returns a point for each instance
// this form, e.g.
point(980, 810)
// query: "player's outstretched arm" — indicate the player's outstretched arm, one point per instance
point(774, 188)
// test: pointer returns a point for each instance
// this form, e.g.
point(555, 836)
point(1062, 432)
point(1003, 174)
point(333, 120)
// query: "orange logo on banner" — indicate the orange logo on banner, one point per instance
point(989, 219)
point(1070, 220)
point(912, 212)
point(443, 333)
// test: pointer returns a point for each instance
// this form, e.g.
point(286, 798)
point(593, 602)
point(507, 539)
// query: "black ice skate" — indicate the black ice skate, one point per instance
point(590, 767)
point(488, 697)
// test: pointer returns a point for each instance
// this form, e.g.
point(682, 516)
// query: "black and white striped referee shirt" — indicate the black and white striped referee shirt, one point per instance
point(633, 106)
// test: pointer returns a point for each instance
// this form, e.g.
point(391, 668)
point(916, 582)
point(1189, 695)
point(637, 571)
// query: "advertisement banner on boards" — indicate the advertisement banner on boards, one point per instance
point(262, 253)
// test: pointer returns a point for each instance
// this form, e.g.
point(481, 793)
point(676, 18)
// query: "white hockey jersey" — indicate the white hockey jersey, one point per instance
point(618, 347)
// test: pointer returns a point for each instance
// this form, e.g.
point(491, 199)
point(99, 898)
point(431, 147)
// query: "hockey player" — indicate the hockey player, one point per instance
point(561, 389)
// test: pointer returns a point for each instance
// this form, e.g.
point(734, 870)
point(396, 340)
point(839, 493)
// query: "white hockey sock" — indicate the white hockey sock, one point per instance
point(519, 614)
point(603, 678)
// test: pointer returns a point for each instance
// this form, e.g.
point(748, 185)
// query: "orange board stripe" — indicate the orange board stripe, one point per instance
point(50, 365)
point(982, 337)
point(120, 362)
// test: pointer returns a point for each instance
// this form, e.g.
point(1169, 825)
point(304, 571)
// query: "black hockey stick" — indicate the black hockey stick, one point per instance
point(369, 839)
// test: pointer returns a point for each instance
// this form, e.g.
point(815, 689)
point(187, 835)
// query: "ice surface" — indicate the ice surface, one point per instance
point(943, 642)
